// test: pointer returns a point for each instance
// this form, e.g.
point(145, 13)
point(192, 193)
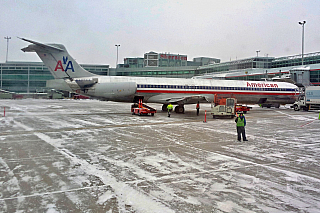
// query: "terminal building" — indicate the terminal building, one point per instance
point(31, 77)
point(266, 68)
point(153, 59)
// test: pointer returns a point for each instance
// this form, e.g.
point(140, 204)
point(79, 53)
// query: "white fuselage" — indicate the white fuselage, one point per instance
point(69, 74)
point(165, 90)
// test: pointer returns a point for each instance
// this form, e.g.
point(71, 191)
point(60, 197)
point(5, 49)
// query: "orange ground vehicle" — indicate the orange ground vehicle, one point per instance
point(244, 109)
point(80, 97)
point(142, 109)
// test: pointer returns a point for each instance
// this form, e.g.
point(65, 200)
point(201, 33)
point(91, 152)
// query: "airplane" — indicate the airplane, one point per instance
point(70, 76)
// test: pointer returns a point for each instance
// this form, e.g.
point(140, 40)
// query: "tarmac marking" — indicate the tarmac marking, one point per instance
point(53, 192)
point(309, 122)
point(94, 127)
point(167, 146)
point(44, 157)
point(271, 165)
point(18, 141)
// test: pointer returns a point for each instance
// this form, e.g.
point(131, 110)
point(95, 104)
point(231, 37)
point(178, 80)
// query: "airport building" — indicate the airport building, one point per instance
point(31, 77)
point(255, 68)
point(153, 59)
point(267, 68)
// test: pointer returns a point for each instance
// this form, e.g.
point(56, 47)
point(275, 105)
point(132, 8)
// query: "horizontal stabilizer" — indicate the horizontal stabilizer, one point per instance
point(38, 44)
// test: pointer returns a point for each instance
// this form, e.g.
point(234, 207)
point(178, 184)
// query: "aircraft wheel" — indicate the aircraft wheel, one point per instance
point(179, 109)
point(164, 107)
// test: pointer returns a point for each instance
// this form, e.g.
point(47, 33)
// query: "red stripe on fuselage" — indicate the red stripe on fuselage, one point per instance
point(216, 92)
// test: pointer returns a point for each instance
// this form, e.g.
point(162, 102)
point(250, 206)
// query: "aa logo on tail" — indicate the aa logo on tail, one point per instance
point(65, 62)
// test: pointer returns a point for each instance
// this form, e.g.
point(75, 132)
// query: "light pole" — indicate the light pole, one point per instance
point(302, 23)
point(7, 47)
point(117, 45)
point(257, 52)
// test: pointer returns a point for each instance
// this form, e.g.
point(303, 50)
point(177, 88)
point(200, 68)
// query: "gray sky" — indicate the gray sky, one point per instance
point(211, 28)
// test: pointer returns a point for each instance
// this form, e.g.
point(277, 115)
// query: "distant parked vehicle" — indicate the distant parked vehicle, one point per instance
point(309, 100)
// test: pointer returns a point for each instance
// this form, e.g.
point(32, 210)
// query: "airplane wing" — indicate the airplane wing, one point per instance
point(192, 99)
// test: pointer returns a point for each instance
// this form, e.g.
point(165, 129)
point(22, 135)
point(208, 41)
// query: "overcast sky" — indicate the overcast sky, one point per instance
point(228, 29)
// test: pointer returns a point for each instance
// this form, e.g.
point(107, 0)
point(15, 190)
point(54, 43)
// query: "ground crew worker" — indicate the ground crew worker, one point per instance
point(170, 108)
point(198, 108)
point(241, 123)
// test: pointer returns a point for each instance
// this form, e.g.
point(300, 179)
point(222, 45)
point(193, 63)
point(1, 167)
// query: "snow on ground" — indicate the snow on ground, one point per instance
point(91, 156)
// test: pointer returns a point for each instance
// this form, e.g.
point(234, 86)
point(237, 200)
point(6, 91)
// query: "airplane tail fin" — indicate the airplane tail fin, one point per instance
point(57, 59)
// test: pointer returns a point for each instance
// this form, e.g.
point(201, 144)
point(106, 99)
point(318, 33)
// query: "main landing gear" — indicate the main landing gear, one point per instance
point(177, 109)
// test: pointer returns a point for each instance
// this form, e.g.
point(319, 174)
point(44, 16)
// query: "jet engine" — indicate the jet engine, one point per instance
point(113, 91)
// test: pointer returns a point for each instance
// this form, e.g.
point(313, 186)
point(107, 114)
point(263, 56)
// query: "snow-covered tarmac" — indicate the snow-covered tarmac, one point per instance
point(92, 156)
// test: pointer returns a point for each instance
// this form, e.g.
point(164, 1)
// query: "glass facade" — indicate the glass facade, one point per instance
point(250, 63)
point(296, 60)
point(315, 77)
point(257, 68)
point(248, 77)
point(206, 61)
point(169, 72)
point(260, 68)
point(31, 77)
point(24, 77)
point(96, 69)
point(153, 59)
point(132, 63)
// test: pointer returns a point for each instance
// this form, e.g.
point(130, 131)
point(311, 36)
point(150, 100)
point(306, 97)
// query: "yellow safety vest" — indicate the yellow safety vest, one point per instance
point(240, 122)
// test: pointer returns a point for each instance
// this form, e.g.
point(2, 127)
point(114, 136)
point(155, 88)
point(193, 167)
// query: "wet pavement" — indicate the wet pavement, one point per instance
point(92, 156)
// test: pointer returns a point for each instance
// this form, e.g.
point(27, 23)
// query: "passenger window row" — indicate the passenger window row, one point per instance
point(211, 87)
